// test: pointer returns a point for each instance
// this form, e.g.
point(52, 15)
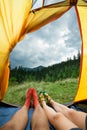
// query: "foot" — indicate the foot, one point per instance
point(28, 97)
point(35, 98)
point(47, 97)
point(41, 98)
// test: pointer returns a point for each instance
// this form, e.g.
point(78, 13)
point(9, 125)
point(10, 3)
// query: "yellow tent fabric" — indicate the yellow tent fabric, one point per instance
point(13, 15)
point(82, 88)
point(17, 18)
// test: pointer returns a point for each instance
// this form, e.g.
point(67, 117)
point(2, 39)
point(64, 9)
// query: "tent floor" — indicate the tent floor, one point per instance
point(80, 106)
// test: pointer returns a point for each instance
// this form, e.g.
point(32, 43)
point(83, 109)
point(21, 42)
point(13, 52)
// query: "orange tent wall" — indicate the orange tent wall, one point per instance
point(82, 20)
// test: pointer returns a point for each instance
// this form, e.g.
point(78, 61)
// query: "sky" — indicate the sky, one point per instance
point(49, 45)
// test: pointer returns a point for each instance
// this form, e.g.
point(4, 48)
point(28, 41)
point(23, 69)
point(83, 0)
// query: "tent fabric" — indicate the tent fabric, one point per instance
point(17, 19)
point(82, 89)
point(52, 12)
point(13, 15)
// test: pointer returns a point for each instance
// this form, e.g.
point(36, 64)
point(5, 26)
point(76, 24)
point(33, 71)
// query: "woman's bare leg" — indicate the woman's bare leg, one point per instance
point(39, 118)
point(57, 119)
point(76, 117)
point(57, 106)
point(20, 119)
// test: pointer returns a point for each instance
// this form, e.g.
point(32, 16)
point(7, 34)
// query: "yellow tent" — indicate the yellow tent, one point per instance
point(17, 19)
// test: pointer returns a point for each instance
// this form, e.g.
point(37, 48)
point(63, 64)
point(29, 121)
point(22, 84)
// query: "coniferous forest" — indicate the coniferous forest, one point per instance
point(63, 70)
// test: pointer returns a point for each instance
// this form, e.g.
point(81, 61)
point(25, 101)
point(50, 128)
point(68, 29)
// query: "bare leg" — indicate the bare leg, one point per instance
point(39, 118)
point(57, 106)
point(76, 117)
point(20, 119)
point(57, 119)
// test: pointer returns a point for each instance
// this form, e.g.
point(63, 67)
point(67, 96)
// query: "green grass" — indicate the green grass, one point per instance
point(61, 91)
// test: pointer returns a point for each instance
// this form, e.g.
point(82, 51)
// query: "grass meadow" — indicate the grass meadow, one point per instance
point(62, 91)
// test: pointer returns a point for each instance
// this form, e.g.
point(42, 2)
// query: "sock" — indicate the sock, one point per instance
point(47, 96)
point(35, 98)
point(28, 98)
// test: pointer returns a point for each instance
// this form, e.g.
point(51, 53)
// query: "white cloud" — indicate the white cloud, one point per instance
point(51, 44)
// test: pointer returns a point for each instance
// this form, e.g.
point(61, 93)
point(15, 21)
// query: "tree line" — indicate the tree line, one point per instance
point(63, 70)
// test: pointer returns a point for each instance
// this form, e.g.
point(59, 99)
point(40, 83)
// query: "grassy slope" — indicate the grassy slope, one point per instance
point(61, 91)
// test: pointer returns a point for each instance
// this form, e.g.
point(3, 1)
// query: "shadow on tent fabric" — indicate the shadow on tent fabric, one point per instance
point(7, 111)
point(79, 106)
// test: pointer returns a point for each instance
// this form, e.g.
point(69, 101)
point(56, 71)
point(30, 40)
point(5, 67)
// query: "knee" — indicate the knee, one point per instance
point(57, 117)
point(71, 112)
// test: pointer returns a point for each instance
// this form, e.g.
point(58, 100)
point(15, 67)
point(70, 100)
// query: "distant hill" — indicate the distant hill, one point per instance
point(35, 69)
point(63, 70)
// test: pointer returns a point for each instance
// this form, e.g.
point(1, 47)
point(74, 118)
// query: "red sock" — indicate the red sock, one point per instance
point(28, 97)
point(35, 98)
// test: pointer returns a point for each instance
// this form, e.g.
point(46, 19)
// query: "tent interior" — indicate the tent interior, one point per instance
point(32, 18)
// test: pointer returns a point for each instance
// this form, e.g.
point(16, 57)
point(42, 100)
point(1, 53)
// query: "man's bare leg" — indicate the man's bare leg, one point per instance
point(20, 119)
point(39, 119)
